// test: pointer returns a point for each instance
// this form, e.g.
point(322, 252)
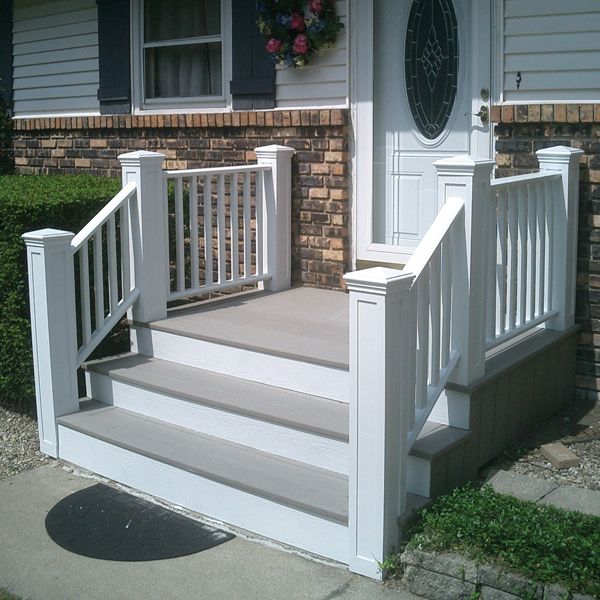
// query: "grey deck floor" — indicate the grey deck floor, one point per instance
point(306, 323)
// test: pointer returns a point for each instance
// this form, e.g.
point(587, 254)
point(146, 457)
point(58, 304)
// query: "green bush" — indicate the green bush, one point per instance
point(544, 543)
point(6, 155)
point(27, 203)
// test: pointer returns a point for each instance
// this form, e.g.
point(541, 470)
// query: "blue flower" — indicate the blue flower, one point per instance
point(316, 26)
point(283, 20)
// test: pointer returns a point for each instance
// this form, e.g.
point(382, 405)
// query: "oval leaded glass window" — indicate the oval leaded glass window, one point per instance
point(431, 64)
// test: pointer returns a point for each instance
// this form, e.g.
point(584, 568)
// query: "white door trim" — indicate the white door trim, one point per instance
point(361, 111)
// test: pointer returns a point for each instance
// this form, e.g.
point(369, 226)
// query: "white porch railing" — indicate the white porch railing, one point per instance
point(233, 198)
point(122, 261)
point(499, 259)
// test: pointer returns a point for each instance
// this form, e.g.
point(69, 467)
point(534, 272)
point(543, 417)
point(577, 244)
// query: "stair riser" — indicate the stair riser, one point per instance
point(283, 441)
point(308, 378)
point(258, 515)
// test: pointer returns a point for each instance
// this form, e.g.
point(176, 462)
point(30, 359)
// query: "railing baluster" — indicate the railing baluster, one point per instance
point(549, 191)
point(491, 258)
point(234, 214)
point(113, 289)
point(98, 279)
point(221, 235)
point(435, 310)
point(541, 245)
point(194, 242)
point(422, 338)
point(84, 291)
point(260, 223)
point(125, 258)
point(502, 260)
point(532, 250)
point(179, 235)
point(247, 227)
point(513, 244)
point(208, 250)
point(522, 256)
point(446, 298)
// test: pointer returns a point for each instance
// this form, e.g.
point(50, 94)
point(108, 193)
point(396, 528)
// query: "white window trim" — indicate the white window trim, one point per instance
point(178, 105)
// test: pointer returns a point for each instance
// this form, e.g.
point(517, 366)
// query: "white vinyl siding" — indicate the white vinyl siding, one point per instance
point(55, 57)
point(324, 82)
point(555, 44)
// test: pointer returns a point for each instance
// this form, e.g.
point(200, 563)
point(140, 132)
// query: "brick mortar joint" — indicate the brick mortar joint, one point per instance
point(330, 117)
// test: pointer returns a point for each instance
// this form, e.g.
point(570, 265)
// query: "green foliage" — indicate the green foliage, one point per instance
point(28, 203)
point(391, 566)
point(6, 156)
point(544, 543)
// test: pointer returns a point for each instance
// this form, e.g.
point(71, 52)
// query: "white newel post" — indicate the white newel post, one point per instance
point(53, 330)
point(378, 425)
point(564, 160)
point(150, 251)
point(277, 212)
point(468, 179)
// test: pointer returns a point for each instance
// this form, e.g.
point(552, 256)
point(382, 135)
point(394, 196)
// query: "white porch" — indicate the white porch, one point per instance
point(313, 417)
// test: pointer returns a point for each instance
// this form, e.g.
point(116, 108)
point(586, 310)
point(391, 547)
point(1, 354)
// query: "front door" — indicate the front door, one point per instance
point(431, 72)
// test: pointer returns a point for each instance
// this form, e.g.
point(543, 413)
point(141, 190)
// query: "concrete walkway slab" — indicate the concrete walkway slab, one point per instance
point(34, 567)
point(573, 498)
point(520, 486)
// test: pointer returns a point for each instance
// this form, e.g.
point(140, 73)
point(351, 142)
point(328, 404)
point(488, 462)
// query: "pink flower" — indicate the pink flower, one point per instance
point(300, 44)
point(273, 45)
point(316, 6)
point(297, 22)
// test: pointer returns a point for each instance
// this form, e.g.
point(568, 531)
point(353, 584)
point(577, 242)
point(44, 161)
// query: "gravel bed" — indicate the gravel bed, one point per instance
point(19, 444)
point(578, 428)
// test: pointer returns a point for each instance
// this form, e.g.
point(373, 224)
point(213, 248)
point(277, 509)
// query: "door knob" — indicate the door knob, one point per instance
point(483, 114)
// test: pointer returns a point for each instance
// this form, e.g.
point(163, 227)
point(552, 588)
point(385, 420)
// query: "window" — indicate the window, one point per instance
point(181, 56)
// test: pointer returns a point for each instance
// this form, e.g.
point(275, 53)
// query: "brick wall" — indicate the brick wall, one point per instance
point(320, 172)
point(520, 131)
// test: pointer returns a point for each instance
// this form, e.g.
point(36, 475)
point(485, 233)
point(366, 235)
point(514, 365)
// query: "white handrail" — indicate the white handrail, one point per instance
point(216, 170)
point(118, 303)
point(111, 208)
point(434, 236)
point(516, 180)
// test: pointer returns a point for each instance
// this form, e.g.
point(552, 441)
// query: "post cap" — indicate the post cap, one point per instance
point(559, 154)
point(273, 150)
point(44, 237)
point(130, 159)
point(464, 165)
point(379, 280)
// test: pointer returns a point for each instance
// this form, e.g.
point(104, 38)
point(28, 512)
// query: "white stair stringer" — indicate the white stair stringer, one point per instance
point(275, 438)
point(287, 372)
point(321, 530)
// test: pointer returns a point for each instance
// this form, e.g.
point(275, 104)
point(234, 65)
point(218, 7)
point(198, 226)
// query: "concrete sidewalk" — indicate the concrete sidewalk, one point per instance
point(34, 567)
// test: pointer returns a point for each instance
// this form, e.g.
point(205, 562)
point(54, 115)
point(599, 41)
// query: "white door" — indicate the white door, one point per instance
point(431, 68)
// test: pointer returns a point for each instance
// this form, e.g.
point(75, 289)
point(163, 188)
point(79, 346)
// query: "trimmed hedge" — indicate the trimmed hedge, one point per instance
point(6, 155)
point(27, 203)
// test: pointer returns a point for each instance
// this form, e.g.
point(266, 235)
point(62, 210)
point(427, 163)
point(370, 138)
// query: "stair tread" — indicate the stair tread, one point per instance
point(307, 488)
point(305, 324)
point(314, 414)
point(436, 439)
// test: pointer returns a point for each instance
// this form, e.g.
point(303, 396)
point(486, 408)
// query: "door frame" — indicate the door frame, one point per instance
point(483, 50)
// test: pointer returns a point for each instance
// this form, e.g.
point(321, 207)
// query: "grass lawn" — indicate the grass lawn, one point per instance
point(544, 543)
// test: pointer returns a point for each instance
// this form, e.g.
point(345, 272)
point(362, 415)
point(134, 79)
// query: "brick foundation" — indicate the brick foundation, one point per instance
point(520, 131)
point(320, 176)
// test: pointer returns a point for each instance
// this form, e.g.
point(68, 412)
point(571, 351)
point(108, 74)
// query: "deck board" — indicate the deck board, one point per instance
point(303, 323)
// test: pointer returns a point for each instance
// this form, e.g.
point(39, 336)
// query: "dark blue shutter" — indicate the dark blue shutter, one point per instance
point(114, 92)
point(253, 72)
point(6, 53)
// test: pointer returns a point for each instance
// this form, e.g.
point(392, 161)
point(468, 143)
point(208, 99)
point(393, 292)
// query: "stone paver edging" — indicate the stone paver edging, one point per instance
point(546, 492)
point(447, 576)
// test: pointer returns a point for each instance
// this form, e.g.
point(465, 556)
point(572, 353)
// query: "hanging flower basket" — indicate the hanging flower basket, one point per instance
point(296, 30)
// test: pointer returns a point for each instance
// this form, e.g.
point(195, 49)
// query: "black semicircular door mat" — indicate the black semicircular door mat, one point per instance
point(106, 523)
